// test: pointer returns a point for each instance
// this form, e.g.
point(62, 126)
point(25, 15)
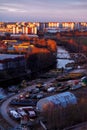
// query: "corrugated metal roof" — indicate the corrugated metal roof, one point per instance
point(62, 99)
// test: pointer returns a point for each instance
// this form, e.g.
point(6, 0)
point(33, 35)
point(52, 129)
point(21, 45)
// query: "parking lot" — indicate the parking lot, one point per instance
point(35, 90)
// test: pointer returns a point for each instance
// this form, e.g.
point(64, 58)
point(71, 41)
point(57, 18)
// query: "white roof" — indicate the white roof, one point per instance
point(18, 35)
point(7, 56)
point(52, 30)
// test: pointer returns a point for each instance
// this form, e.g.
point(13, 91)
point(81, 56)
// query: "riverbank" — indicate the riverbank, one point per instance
point(61, 62)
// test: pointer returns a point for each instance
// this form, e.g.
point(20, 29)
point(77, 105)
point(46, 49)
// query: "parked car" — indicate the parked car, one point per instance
point(62, 88)
point(27, 95)
point(32, 115)
point(22, 96)
point(21, 112)
point(33, 96)
point(40, 86)
point(36, 90)
point(30, 111)
point(39, 96)
point(26, 108)
point(76, 87)
point(14, 114)
point(51, 89)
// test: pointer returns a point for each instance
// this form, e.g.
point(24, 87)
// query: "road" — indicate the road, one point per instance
point(4, 112)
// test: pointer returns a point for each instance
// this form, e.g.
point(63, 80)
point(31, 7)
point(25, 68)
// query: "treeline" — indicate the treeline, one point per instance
point(58, 118)
point(75, 45)
point(74, 33)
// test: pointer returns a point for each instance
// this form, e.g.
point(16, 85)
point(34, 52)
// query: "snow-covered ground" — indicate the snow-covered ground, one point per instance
point(62, 62)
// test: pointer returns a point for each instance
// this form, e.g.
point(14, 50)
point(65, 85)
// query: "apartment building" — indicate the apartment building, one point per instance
point(19, 28)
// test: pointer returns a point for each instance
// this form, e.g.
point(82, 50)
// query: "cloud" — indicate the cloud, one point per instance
point(5, 7)
point(43, 9)
point(9, 9)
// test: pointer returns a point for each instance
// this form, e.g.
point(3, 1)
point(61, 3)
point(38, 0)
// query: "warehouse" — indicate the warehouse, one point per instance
point(8, 61)
point(62, 99)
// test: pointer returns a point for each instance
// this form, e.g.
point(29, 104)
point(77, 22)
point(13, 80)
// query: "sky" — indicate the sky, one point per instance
point(43, 10)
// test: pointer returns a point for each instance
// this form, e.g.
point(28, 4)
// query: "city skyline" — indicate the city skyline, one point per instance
point(43, 11)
